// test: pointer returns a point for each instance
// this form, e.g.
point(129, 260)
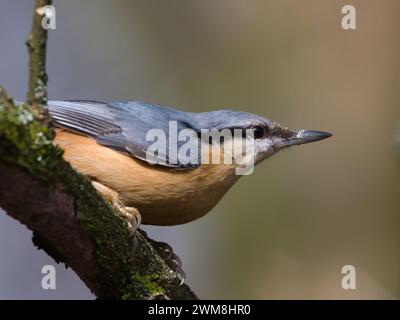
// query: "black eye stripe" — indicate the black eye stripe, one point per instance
point(259, 131)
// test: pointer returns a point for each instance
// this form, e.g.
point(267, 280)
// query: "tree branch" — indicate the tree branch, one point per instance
point(41, 190)
point(37, 43)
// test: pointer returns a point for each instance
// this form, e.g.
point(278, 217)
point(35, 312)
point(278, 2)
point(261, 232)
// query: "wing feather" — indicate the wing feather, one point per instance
point(119, 125)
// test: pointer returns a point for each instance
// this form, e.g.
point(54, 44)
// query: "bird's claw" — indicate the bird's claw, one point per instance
point(173, 261)
point(133, 217)
point(130, 214)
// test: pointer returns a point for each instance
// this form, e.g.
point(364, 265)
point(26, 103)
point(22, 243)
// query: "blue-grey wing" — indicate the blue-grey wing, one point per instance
point(124, 126)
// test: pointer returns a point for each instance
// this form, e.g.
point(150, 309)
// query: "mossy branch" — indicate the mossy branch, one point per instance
point(41, 190)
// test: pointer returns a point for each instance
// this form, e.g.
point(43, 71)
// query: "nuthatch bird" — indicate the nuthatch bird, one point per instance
point(107, 142)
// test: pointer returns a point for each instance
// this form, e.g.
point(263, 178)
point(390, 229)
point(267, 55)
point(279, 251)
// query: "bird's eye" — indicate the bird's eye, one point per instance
point(258, 132)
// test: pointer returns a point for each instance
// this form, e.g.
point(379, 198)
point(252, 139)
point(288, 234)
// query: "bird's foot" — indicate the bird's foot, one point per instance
point(130, 214)
point(173, 261)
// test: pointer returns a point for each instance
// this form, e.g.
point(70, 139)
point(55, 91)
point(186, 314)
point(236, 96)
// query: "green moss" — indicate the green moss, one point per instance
point(28, 143)
point(144, 286)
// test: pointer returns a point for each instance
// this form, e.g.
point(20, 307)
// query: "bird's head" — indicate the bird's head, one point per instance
point(269, 136)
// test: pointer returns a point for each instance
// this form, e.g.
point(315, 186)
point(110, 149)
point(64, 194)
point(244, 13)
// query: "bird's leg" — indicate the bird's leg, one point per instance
point(130, 214)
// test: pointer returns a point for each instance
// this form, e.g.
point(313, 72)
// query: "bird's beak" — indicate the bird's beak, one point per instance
point(305, 136)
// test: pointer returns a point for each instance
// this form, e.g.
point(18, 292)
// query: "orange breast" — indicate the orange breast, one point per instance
point(163, 196)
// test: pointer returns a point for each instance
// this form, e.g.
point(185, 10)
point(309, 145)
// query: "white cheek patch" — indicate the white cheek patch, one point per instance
point(266, 146)
point(263, 149)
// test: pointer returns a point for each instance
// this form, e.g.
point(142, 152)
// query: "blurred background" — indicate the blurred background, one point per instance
point(286, 230)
